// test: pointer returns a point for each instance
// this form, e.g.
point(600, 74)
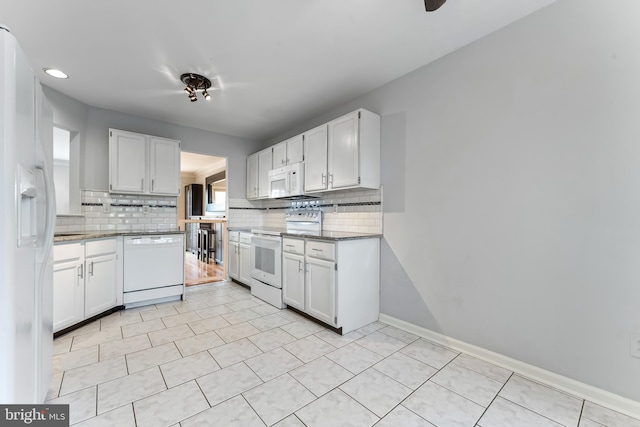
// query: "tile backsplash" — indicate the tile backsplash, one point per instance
point(103, 211)
point(348, 210)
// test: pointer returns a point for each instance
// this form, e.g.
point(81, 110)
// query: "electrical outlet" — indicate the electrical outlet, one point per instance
point(634, 344)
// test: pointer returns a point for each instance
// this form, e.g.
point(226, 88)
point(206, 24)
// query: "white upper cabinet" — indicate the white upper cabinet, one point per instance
point(143, 164)
point(315, 166)
point(341, 154)
point(127, 161)
point(280, 155)
point(354, 151)
point(164, 166)
point(295, 151)
point(264, 166)
point(288, 152)
point(258, 166)
point(345, 153)
point(252, 176)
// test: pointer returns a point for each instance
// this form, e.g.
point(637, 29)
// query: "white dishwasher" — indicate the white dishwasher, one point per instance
point(153, 268)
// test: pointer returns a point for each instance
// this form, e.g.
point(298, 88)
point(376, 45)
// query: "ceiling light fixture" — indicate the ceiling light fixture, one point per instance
point(195, 83)
point(55, 73)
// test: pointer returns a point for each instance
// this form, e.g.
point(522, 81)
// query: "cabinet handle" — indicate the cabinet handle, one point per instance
point(323, 178)
point(331, 179)
point(317, 250)
point(153, 181)
point(142, 184)
point(284, 162)
point(299, 266)
point(81, 271)
point(91, 268)
point(287, 161)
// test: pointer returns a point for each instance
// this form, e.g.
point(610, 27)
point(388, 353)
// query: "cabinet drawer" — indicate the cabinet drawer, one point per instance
point(293, 246)
point(234, 236)
point(245, 238)
point(67, 251)
point(101, 247)
point(322, 250)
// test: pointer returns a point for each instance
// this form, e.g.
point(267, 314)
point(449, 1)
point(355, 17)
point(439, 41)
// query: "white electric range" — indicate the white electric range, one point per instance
point(266, 253)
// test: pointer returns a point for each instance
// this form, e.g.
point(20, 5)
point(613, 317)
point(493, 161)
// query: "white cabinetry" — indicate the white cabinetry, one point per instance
point(86, 280)
point(258, 166)
point(245, 258)
point(68, 285)
point(335, 282)
point(341, 154)
point(239, 258)
point(100, 278)
point(288, 152)
point(252, 176)
point(348, 158)
point(315, 170)
point(293, 269)
point(127, 161)
point(143, 164)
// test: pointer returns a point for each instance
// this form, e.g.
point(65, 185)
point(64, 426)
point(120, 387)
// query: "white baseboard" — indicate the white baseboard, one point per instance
point(584, 391)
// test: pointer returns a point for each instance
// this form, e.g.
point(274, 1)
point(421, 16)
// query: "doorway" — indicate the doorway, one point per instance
point(202, 213)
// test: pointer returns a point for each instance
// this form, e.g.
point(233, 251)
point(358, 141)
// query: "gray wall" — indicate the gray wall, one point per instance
point(511, 173)
point(94, 123)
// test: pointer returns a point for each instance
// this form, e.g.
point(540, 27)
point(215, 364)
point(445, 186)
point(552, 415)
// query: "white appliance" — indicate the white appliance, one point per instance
point(27, 218)
point(287, 182)
point(266, 254)
point(153, 269)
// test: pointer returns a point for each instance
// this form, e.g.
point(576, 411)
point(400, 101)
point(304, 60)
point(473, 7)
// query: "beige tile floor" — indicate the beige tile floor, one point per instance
point(225, 358)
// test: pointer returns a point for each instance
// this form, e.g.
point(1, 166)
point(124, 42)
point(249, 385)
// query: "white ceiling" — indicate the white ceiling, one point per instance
point(279, 61)
point(194, 163)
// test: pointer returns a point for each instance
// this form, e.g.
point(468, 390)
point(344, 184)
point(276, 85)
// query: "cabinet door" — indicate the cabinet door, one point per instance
point(295, 149)
point(164, 166)
point(100, 284)
point(127, 162)
point(68, 294)
point(315, 151)
point(264, 166)
point(293, 280)
point(252, 176)
point(344, 167)
point(279, 155)
point(245, 264)
point(233, 267)
point(320, 293)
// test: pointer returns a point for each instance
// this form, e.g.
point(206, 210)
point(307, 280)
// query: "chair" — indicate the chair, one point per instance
point(206, 244)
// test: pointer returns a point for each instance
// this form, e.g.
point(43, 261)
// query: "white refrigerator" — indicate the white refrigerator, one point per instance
point(27, 217)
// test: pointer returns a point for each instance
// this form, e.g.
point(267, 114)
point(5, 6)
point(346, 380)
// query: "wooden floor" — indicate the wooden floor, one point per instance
point(197, 272)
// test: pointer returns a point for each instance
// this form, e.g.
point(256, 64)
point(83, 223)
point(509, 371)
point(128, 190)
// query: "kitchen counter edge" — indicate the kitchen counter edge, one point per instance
point(334, 236)
point(69, 237)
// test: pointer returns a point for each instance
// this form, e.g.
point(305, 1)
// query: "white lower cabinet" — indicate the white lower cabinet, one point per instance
point(320, 290)
point(293, 280)
point(86, 280)
point(245, 263)
point(233, 268)
point(100, 284)
point(239, 257)
point(336, 282)
point(68, 285)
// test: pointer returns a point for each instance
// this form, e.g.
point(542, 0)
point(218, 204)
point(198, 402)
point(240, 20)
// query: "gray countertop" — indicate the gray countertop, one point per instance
point(71, 236)
point(334, 235)
point(324, 235)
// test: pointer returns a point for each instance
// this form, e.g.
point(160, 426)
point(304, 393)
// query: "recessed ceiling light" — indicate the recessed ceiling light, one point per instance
point(55, 73)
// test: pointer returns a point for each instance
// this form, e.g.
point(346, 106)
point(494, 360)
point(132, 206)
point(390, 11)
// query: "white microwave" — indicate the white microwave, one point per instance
point(287, 181)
